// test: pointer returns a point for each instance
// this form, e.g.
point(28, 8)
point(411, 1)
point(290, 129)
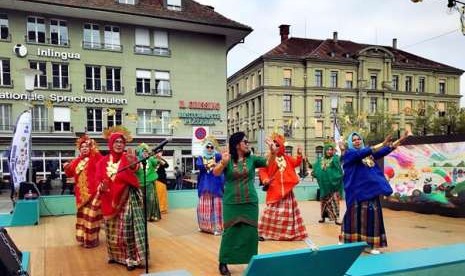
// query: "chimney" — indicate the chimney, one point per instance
point(284, 32)
point(394, 43)
point(335, 37)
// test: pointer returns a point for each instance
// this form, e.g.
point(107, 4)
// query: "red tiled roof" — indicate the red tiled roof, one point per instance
point(347, 51)
point(191, 10)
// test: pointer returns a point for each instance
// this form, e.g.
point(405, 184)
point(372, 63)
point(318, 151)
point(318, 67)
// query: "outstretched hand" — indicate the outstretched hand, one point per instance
point(225, 156)
point(387, 140)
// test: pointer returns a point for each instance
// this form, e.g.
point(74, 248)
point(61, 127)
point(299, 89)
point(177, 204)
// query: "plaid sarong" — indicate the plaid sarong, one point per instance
point(363, 221)
point(210, 213)
point(125, 232)
point(282, 221)
point(330, 206)
point(88, 219)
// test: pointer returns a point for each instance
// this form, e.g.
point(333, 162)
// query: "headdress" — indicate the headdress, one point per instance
point(281, 141)
point(114, 132)
point(350, 145)
point(210, 140)
point(141, 148)
point(86, 139)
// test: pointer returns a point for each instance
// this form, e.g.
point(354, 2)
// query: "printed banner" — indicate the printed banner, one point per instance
point(19, 153)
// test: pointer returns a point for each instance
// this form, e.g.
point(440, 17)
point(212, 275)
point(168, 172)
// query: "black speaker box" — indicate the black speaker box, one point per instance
point(10, 256)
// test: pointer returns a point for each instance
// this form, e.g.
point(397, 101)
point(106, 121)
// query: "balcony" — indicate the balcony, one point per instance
point(54, 87)
point(155, 51)
point(104, 90)
point(155, 92)
point(6, 128)
point(48, 41)
point(154, 131)
point(50, 129)
point(88, 45)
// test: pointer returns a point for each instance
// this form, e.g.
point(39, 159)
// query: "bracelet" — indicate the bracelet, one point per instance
point(377, 147)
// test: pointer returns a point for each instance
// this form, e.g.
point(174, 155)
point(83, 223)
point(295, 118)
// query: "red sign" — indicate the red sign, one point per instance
point(199, 105)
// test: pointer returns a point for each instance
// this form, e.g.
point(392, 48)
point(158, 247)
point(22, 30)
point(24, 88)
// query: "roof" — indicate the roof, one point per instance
point(191, 10)
point(347, 51)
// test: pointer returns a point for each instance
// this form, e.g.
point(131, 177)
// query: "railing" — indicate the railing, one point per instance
point(6, 39)
point(4, 128)
point(156, 131)
point(50, 86)
point(103, 89)
point(11, 85)
point(102, 46)
point(49, 41)
point(155, 92)
point(147, 50)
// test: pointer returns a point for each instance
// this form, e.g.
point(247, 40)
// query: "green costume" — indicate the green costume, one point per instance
point(240, 211)
point(328, 173)
point(153, 209)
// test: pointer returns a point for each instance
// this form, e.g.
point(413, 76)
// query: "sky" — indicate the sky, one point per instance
point(428, 28)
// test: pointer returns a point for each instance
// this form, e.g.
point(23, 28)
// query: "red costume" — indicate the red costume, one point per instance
point(281, 218)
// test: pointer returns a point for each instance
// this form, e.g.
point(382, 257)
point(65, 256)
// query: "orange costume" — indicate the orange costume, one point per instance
point(281, 218)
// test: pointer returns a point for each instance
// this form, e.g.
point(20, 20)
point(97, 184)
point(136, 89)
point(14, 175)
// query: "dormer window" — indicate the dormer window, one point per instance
point(129, 2)
point(174, 5)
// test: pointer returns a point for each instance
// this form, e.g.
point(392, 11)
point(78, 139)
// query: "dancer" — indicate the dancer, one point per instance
point(364, 183)
point(281, 218)
point(210, 189)
point(153, 209)
point(328, 172)
point(240, 202)
point(160, 185)
point(82, 168)
point(121, 201)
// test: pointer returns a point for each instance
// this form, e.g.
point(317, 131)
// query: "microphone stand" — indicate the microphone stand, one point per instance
point(142, 161)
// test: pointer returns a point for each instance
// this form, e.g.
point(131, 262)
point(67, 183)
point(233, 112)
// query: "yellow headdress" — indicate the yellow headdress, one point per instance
point(118, 129)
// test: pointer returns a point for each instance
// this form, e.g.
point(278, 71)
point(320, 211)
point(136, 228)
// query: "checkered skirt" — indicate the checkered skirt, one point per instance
point(209, 213)
point(282, 221)
point(88, 219)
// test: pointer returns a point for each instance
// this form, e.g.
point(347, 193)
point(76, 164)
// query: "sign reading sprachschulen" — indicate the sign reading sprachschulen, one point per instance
point(54, 98)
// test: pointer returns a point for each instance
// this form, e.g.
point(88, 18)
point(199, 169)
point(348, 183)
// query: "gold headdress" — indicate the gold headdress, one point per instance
point(86, 139)
point(210, 139)
point(118, 129)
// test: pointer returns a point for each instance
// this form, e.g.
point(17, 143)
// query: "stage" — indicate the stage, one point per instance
point(175, 243)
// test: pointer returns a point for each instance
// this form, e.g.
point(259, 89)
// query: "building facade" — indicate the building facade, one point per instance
point(299, 86)
point(156, 67)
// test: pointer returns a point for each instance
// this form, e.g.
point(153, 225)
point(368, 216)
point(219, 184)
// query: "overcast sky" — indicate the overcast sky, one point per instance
point(428, 29)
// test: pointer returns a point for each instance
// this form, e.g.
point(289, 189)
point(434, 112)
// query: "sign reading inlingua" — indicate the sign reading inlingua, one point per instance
point(57, 54)
point(54, 98)
point(199, 118)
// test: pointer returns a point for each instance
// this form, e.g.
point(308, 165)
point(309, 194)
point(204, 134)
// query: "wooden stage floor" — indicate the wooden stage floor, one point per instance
point(175, 243)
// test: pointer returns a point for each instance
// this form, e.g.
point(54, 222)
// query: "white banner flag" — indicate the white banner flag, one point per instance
point(19, 152)
point(337, 137)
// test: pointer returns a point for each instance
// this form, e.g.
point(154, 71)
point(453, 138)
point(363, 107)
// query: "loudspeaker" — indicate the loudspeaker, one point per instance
point(10, 256)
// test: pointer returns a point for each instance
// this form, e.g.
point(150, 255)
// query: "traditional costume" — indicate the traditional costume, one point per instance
point(281, 219)
point(364, 183)
point(147, 186)
point(210, 189)
point(122, 205)
point(82, 168)
point(328, 172)
point(160, 185)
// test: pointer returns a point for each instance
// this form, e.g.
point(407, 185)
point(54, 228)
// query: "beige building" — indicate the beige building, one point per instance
point(295, 87)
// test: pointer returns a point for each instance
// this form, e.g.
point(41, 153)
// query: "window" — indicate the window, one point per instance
point(252, 81)
point(333, 79)
point(58, 32)
point(287, 103)
point(130, 2)
point(36, 29)
point(41, 80)
point(144, 121)
point(91, 36)
point(349, 105)
point(39, 118)
point(111, 38)
point(395, 83)
point(319, 152)
point(174, 5)
point(287, 129)
point(4, 27)
point(61, 119)
point(142, 41)
point(162, 83)
point(165, 117)
point(408, 83)
point(259, 78)
point(408, 107)
point(442, 87)
point(160, 41)
point(60, 75)
point(349, 80)
point(373, 105)
point(287, 77)
point(94, 120)
point(319, 129)
point(259, 104)
point(421, 84)
point(373, 81)
point(114, 117)
point(113, 76)
point(5, 117)
point(318, 78)
point(5, 77)
point(319, 105)
point(143, 78)
point(394, 106)
point(93, 78)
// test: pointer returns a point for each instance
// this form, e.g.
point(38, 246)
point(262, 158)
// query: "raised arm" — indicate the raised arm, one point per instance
point(220, 166)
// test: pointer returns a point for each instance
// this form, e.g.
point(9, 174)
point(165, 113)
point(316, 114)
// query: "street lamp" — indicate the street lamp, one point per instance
point(29, 78)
